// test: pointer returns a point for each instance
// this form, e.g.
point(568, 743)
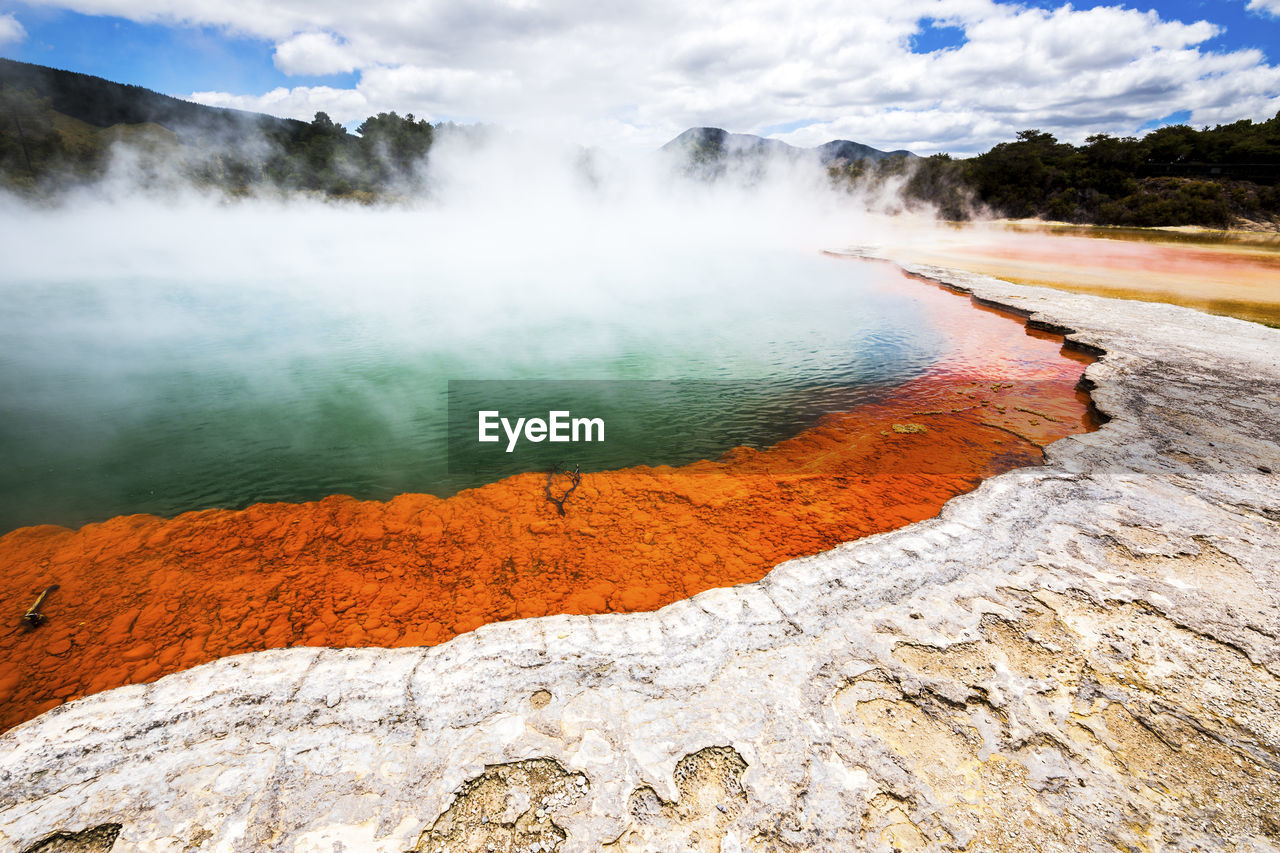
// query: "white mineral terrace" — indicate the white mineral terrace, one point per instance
point(1080, 656)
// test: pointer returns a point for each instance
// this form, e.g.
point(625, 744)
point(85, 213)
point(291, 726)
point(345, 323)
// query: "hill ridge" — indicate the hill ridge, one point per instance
point(708, 139)
point(102, 103)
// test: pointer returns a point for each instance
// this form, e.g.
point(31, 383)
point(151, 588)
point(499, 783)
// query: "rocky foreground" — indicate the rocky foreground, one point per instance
point(1080, 656)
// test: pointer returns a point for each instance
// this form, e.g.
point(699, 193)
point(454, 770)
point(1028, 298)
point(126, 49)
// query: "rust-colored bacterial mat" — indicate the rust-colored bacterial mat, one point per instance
point(139, 597)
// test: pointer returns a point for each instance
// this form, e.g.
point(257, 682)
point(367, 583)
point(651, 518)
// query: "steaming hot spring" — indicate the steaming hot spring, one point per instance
point(226, 428)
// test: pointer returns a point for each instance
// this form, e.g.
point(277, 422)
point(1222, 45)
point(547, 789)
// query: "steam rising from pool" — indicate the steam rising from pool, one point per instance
point(167, 354)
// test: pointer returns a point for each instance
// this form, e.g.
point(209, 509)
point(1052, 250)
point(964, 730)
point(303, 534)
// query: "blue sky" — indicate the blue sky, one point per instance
point(954, 75)
point(175, 60)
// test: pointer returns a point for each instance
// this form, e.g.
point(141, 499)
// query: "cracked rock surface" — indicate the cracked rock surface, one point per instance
point(1079, 656)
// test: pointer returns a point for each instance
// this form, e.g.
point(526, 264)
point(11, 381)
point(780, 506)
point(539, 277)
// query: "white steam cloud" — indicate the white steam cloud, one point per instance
point(514, 243)
point(503, 208)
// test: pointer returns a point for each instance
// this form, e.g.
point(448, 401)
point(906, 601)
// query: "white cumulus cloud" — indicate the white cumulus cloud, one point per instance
point(1270, 7)
point(314, 53)
point(11, 31)
point(642, 72)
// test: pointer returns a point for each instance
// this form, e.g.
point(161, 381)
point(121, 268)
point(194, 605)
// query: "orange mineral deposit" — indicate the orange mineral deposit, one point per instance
point(140, 597)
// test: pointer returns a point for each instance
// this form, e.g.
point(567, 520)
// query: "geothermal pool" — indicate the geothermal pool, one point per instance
point(220, 440)
point(128, 394)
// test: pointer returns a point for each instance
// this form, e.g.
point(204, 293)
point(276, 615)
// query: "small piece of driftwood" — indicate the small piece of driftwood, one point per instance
point(575, 477)
point(33, 618)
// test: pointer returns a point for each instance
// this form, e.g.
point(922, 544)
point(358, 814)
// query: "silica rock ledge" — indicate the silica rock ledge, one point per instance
point(1080, 656)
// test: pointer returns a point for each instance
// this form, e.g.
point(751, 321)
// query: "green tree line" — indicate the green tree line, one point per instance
point(1175, 175)
point(42, 150)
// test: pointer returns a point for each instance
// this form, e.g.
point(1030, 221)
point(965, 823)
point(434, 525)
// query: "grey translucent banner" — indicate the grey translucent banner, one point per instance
point(498, 428)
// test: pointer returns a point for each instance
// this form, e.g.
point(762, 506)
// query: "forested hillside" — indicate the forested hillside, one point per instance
point(57, 129)
point(1175, 175)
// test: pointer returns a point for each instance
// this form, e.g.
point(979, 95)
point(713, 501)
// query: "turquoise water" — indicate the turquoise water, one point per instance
point(162, 394)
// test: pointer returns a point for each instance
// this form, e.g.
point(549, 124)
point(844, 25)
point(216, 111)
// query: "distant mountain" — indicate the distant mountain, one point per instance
point(706, 144)
point(846, 151)
point(103, 103)
point(717, 139)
